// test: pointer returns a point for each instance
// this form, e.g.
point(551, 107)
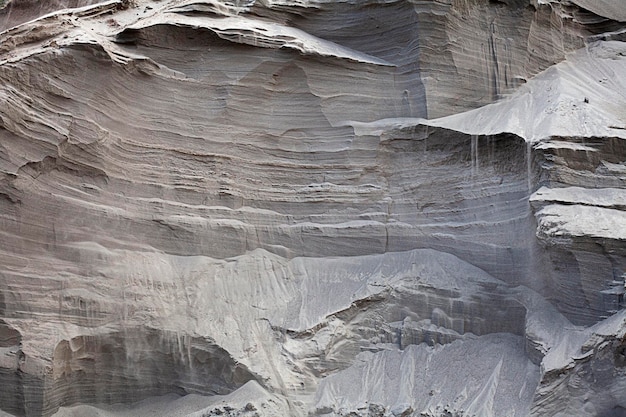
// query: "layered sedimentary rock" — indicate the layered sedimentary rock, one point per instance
point(312, 208)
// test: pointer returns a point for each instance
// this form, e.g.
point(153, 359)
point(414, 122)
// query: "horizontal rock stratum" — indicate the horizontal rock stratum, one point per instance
point(313, 208)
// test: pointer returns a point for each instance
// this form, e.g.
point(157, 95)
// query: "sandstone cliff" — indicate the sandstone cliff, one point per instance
point(313, 207)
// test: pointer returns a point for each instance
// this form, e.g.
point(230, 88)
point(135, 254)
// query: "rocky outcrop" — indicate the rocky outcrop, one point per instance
point(312, 208)
point(586, 376)
point(15, 12)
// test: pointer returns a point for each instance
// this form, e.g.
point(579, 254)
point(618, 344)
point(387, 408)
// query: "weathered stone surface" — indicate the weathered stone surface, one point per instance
point(585, 376)
point(290, 208)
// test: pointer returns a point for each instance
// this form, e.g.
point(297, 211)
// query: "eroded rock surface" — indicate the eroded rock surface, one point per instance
point(290, 208)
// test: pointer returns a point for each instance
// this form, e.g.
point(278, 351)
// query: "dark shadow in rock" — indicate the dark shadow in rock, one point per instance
point(124, 367)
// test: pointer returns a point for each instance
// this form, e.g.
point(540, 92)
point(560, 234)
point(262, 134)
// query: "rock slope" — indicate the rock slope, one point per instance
point(333, 208)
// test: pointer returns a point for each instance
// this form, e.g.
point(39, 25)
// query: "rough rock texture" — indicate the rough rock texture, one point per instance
point(290, 208)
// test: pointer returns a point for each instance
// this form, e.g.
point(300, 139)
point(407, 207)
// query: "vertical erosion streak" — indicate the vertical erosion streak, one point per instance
point(493, 54)
point(529, 162)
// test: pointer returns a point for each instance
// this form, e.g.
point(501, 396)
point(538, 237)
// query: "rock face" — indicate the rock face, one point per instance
point(291, 208)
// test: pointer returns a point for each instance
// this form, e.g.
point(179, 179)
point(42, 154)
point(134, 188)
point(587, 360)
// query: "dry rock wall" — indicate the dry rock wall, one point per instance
point(312, 208)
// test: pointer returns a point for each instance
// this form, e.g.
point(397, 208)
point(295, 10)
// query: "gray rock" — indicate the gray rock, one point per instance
point(291, 208)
